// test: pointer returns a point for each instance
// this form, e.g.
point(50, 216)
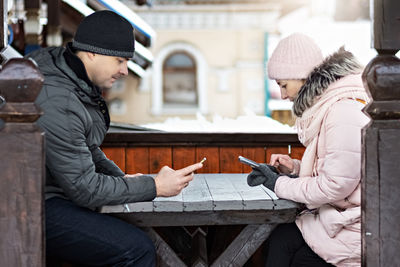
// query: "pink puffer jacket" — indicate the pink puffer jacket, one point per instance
point(332, 230)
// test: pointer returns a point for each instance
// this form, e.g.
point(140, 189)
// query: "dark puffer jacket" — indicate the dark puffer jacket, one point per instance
point(75, 127)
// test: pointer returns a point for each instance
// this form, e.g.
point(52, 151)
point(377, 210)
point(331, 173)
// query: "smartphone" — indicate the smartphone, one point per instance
point(249, 162)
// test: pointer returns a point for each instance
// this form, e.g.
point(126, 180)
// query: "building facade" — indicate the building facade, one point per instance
point(208, 58)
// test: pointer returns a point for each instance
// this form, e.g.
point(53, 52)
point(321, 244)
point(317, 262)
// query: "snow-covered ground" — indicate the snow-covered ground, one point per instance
point(249, 123)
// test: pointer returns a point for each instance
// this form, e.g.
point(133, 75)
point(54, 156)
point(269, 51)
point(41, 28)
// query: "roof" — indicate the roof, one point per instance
point(143, 57)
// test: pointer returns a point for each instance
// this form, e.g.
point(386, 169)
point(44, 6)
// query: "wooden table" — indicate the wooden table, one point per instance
point(211, 199)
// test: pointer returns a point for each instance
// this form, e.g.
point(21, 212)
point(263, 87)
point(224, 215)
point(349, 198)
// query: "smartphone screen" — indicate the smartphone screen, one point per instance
point(248, 162)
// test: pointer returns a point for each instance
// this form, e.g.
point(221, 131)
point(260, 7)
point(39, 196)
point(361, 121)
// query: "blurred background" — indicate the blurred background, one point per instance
point(200, 60)
point(210, 55)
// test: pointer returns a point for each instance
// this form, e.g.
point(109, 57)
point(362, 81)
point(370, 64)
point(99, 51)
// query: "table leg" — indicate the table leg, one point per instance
point(166, 254)
point(199, 248)
point(244, 245)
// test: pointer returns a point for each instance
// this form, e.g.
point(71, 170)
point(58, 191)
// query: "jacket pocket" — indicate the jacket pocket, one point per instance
point(334, 220)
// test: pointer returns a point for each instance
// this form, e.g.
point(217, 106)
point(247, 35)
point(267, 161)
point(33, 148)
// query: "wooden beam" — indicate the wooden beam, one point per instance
point(22, 166)
point(33, 28)
point(53, 33)
point(145, 219)
point(54, 12)
point(157, 138)
point(199, 248)
point(244, 245)
point(380, 197)
point(3, 26)
point(33, 4)
point(167, 257)
point(386, 23)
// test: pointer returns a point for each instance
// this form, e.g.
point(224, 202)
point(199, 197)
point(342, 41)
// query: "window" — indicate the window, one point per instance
point(179, 85)
point(179, 81)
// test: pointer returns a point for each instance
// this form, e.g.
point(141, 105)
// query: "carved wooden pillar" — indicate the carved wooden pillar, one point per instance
point(21, 166)
point(32, 26)
point(54, 37)
point(3, 26)
point(381, 146)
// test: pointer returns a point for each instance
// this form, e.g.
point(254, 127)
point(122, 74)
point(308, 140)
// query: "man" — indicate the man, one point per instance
point(79, 177)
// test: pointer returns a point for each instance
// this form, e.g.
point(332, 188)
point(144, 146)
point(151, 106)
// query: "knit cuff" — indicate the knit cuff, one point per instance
point(102, 51)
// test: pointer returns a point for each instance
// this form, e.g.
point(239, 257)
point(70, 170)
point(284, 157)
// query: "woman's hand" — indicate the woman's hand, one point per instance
point(263, 174)
point(282, 162)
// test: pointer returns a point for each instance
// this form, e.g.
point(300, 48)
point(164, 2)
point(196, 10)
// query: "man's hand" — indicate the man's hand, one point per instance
point(283, 163)
point(170, 182)
point(264, 174)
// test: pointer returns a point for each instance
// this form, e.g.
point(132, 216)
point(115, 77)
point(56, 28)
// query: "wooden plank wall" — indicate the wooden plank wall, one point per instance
point(133, 158)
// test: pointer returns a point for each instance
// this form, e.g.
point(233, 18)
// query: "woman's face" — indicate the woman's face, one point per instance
point(290, 88)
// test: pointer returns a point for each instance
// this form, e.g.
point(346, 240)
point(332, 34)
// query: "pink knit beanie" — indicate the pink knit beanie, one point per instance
point(294, 58)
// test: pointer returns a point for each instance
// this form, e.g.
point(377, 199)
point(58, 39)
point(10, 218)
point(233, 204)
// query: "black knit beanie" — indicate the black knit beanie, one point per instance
point(107, 33)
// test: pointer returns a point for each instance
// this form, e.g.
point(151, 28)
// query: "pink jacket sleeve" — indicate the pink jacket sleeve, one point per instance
point(339, 159)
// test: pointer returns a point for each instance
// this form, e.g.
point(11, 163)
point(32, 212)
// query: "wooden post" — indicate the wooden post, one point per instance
point(381, 148)
point(54, 37)
point(33, 28)
point(3, 26)
point(21, 166)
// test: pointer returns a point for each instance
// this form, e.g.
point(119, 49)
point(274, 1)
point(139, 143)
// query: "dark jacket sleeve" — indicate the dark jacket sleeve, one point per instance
point(105, 165)
point(71, 164)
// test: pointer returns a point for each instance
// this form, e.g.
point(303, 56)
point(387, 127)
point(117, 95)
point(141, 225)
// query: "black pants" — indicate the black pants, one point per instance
point(287, 248)
point(87, 238)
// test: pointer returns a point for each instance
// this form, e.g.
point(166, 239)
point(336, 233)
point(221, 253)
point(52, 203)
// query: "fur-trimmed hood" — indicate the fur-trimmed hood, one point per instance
point(333, 68)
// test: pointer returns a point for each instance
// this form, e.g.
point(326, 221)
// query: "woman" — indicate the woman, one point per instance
point(328, 96)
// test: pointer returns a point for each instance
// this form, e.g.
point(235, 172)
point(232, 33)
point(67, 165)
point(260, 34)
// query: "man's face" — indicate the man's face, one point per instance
point(289, 88)
point(103, 70)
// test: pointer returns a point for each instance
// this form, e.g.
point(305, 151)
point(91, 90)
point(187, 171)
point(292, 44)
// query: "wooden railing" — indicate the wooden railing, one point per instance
point(380, 195)
point(147, 152)
point(22, 166)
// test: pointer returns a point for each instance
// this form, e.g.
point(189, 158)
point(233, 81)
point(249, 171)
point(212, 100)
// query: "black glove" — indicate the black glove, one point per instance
point(264, 174)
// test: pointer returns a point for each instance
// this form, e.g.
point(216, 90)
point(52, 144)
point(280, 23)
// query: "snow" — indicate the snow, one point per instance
point(278, 104)
point(249, 123)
